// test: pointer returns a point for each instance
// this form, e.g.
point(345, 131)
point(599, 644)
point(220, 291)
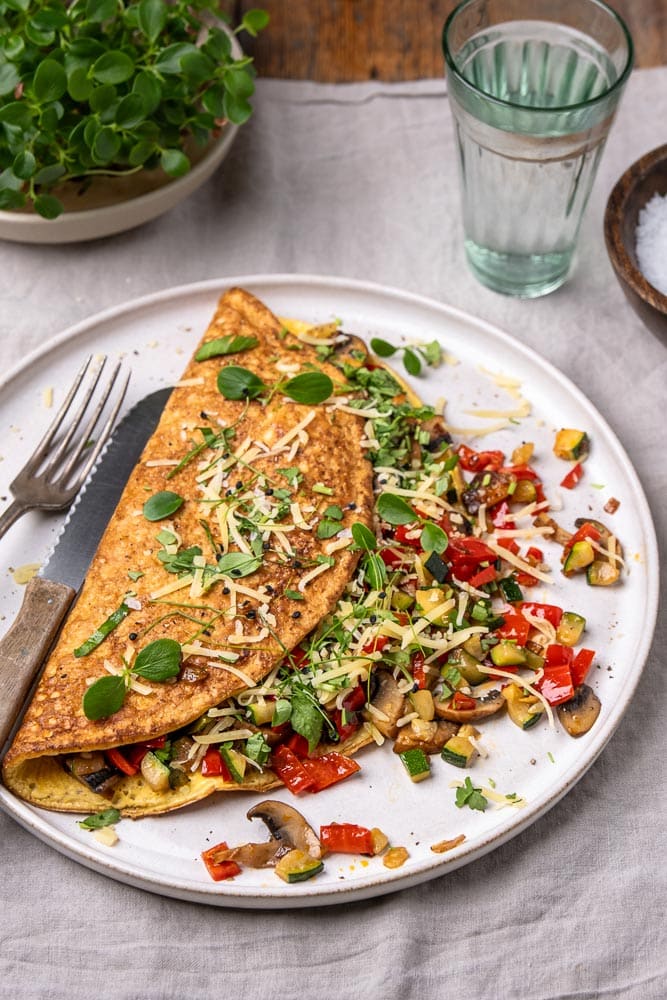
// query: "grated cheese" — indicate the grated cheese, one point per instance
point(519, 563)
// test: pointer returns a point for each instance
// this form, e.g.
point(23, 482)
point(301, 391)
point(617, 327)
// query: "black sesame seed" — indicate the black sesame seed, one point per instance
point(251, 614)
point(239, 484)
point(352, 506)
point(132, 636)
point(382, 595)
point(296, 614)
point(269, 492)
point(373, 619)
point(266, 546)
point(225, 590)
point(203, 415)
point(269, 589)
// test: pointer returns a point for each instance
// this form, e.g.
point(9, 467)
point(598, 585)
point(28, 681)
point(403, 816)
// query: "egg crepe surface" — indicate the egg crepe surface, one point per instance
point(327, 452)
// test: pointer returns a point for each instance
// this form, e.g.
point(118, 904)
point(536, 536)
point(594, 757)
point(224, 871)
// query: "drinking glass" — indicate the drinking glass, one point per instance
point(533, 87)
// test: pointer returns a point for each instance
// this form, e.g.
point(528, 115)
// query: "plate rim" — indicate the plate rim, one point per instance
point(385, 882)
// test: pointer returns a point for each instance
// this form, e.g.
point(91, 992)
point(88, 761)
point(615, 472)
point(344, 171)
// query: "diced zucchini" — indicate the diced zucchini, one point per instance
point(401, 601)
point(602, 573)
point(507, 654)
point(468, 666)
point(261, 713)
point(524, 709)
point(524, 492)
point(579, 557)
point(297, 866)
point(534, 661)
point(571, 445)
point(430, 598)
point(510, 589)
point(236, 762)
point(416, 763)
point(571, 629)
point(422, 703)
point(459, 750)
point(177, 777)
point(154, 772)
point(473, 645)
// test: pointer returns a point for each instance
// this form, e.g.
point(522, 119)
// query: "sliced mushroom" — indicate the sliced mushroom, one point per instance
point(194, 669)
point(287, 827)
point(92, 770)
point(262, 855)
point(427, 736)
point(579, 713)
point(388, 700)
point(489, 705)
point(486, 488)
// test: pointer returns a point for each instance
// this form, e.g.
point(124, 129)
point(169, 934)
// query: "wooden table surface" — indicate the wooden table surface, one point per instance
point(335, 41)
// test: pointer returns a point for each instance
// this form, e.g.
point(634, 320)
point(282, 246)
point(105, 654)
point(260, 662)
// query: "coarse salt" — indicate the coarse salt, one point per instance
point(651, 235)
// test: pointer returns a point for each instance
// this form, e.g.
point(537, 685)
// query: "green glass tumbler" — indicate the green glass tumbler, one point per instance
point(533, 87)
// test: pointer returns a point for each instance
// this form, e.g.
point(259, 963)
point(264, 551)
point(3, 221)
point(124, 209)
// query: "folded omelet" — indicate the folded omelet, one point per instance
point(246, 560)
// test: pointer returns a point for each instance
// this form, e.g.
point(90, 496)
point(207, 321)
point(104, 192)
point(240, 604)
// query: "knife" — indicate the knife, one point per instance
point(49, 596)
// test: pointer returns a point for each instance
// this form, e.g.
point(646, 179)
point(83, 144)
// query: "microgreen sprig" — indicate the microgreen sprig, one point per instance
point(395, 511)
point(158, 661)
point(430, 354)
point(235, 382)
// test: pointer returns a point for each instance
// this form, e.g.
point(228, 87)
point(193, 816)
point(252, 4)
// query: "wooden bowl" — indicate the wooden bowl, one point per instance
point(645, 178)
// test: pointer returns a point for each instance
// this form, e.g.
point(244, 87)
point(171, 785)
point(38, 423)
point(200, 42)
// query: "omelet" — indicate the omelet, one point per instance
point(230, 543)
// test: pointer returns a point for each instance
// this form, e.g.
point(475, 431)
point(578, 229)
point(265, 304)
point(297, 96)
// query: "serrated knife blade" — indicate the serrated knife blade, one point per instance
point(49, 595)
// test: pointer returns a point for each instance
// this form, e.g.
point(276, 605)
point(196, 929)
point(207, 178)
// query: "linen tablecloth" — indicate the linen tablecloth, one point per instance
point(360, 181)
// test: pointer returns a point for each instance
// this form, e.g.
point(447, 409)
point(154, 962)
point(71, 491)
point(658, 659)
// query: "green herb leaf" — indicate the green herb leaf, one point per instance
point(394, 510)
point(159, 660)
point(98, 636)
point(306, 718)
point(431, 353)
point(334, 512)
point(293, 475)
point(308, 387)
point(327, 529)
point(382, 348)
point(254, 20)
point(411, 361)
point(237, 564)
point(104, 697)
point(239, 383)
point(222, 346)
point(281, 712)
point(99, 820)
point(375, 570)
point(364, 537)
point(468, 795)
point(433, 538)
point(181, 562)
point(257, 748)
point(294, 595)
point(162, 505)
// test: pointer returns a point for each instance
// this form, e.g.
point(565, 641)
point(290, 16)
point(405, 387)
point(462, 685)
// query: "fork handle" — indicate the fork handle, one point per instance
point(12, 514)
point(25, 646)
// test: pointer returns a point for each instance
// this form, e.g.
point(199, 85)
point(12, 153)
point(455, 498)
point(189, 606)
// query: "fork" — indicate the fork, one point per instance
point(57, 469)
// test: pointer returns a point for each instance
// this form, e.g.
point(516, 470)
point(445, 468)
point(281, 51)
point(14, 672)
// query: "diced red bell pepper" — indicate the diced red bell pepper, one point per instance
point(347, 838)
point(556, 684)
point(549, 612)
point(573, 477)
point(136, 752)
point(344, 729)
point(408, 534)
point(487, 575)
point(469, 548)
point(419, 674)
point(499, 515)
point(462, 703)
point(581, 665)
point(291, 770)
point(297, 658)
point(515, 627)
point(526, 579)
point(556, 654)
point(118, 760)
point(510, 544)
point(213, 766)
point(328, 769)
point(534, 556)
point(521, 472)
point(356, 699)
point(479, 461)
point(219, 870)
point(298, 744)
point(587, 531)
point(376, 644)
point(391, 558)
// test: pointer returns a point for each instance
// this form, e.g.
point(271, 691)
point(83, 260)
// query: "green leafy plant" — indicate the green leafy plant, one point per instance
point(112, 87)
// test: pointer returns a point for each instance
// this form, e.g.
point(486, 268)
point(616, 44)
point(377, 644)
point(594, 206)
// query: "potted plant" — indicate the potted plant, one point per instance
point(129, 94)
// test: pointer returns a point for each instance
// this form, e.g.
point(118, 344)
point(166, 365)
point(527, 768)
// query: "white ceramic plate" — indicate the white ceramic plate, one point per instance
point(157, 334)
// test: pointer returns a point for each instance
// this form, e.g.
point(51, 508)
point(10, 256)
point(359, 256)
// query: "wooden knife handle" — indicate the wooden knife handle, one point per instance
point(25, 647)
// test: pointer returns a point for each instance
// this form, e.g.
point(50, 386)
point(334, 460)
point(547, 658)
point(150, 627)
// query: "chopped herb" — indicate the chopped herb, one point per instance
point(134, 574)
point(468, 795)
point(98, 636)
point(334, 512)
point(238, 564)
point(162, 505)
point(257, 748)
point(433, 538)
point(364, 537)
point(281, 712)
point(323, 489)
point(99, 820)
point(293, 475)
point(309, 387)
point(104, 697)
point(221, 346)
point(158, 661)
point(239, 383)
point(181, 562)
point(307, 718)
point(394, 510)
point(327, 529)
point(294, 595)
